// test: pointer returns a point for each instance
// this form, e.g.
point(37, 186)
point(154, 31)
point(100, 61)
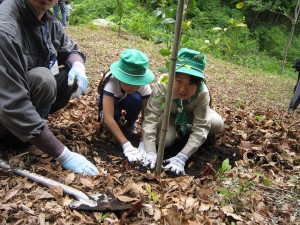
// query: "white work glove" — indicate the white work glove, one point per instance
point(149, 159)
point(132, 153)
point(141, 148)
point(176, 164)
point(78, 72)
point(76, 162)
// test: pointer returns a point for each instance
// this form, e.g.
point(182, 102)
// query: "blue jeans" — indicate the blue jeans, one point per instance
point(132, 104)
point(63, 8)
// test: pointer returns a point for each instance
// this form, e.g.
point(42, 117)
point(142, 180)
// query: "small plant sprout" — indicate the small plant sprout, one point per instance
point(239, 102)
point(259, 118)
point(103, 217)
point(225, 167)
point(266, 181)
point(151, 194)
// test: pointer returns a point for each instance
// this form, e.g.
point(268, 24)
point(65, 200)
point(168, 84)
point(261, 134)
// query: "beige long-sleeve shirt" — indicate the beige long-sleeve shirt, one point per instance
point(197, 112)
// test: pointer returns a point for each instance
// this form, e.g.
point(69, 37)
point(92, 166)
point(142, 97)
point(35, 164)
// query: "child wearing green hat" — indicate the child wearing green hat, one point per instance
point(190, 106)
point(125, 87)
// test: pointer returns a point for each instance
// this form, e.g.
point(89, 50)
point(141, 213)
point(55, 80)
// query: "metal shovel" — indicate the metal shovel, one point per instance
point(95, 202)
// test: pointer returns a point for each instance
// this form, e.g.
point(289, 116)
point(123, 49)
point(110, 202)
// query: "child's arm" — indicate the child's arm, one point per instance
point(110, 122)
point(132, 153)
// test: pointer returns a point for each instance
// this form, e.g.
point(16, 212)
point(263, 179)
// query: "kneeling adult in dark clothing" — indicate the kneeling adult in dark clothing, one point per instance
point(33, 46)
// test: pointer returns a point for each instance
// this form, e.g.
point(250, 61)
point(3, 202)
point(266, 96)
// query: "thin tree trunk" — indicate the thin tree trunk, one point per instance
point(255, 18)
point(166, 115)
point(294, 22)
point(277, 18)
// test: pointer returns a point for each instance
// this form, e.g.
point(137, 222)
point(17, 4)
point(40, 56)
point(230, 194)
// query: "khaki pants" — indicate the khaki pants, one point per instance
point(217, 125)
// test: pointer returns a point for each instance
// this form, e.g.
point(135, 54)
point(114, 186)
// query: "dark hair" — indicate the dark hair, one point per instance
point(193, 79)
point(101, 86)
point(196, 80)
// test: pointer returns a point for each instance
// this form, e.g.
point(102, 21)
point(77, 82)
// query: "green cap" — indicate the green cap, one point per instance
point(191, 62)
point(132, 68)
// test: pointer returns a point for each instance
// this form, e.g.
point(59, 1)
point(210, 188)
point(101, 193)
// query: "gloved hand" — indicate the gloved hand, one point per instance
point(78, 72)
point(176, 164)
point(76, 162)
point(132, 153)
point(141, 148)
point(149, 159)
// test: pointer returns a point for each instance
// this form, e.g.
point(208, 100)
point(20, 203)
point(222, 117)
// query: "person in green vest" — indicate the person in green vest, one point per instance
point(190, 112)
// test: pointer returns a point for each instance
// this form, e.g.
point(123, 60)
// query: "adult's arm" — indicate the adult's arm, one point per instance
point(67, 49)
point(152, 117)
point(48, 143)
point(144, 104)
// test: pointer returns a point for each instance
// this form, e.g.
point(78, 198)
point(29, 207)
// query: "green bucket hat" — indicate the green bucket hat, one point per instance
point(191, 62)
point(132, 68)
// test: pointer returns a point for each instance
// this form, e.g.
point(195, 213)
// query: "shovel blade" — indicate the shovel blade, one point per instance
point(100, 203)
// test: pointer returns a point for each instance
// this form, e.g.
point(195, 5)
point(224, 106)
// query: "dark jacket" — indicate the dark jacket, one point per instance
point(26, 43)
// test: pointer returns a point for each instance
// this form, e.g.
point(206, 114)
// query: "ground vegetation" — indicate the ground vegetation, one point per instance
point(249, 175)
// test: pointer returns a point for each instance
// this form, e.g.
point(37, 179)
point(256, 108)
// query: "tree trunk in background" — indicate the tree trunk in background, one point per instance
point(294, 22)
point(256, 14)
point(277, 18)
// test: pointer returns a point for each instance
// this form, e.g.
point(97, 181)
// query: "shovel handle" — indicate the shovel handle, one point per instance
point(44, 180)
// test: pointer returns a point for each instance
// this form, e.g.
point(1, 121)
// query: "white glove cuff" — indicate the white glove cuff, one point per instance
point(79, 64)
point(141, 145)
point(126, 144)
point(64, 156)
point(182, 156)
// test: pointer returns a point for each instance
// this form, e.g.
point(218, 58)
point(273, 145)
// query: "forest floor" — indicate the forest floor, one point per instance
point(259, 184)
